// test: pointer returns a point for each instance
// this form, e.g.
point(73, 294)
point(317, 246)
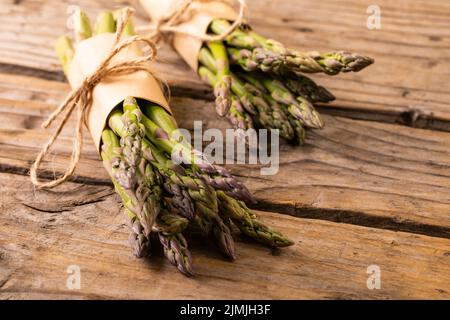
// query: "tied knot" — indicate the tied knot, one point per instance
point(81, 98)
point(167, 26)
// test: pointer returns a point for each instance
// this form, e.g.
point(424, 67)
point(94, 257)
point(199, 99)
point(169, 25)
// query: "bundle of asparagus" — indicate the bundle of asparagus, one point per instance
point(259, 82)
point(161, 196)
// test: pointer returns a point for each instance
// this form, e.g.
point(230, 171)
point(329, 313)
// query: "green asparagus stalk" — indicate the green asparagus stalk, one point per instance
point(258, 59)
point(329, 63)
point(249, 224)
point(184, 189)
point(64, 50)
point(176, 251)
point(300, 108)
point(82, 26)
point(298, 85)
point(170, 222)
point(305, 87)
point(207, 73)
point(105, 23)
point(139, 238)
point(167, 225)
point(266, 115)
point(169, 228)
point(131, 169)
point(237, 116)
point(239, 38)
point(222, 88)
point(333, 63)
point(299, 130)
point(285, 112)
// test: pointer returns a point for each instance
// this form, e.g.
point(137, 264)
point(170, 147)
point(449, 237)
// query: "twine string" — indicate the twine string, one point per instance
point(168, 25)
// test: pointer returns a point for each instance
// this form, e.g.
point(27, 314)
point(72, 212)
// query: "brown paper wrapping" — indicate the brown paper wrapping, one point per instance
point(196, 19)
point(111, 91)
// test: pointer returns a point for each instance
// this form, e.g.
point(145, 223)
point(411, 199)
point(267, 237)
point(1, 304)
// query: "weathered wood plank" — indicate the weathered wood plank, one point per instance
point(412, 49)
point(83, 226)
point(358, 172)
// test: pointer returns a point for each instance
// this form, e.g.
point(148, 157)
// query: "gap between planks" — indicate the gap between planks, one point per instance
point(414, 117)
point(352, 217)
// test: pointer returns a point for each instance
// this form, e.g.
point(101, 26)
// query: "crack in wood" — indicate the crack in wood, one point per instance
point(3, 282)
point(66, 206)
point(359, 218)
point(294, 209)
point(412, 117)
point(46, 210)
point(32, 72)
point(45, 174)
point(405, 118)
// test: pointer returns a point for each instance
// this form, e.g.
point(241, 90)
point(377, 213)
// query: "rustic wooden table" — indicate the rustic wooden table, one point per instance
point(366, 190)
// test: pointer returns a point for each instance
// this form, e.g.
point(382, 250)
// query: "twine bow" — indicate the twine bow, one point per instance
point(82, 97)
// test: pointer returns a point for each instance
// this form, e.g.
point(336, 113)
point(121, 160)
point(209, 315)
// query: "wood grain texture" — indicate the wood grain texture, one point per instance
point(341, 194)
point(353, 171)
point(84, 227)
point(409, 79)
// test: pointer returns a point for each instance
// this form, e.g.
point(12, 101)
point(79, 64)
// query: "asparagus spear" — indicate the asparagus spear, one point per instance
point(131, 169)
point(170, 222)
point(238, 117)
point(289, 107)
point(207, 72)
point(222, 88)
point(258, 59)
point(277, 113)
point(138, 240)
point(305, 87)
point(333, 63)
point(300, 108)
point(139, 237)
point(299, 130)
point(176, 251)
point(64, 50)
point(82, 26)
point(105, 23)
point(249, 224)
point(169, 228)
